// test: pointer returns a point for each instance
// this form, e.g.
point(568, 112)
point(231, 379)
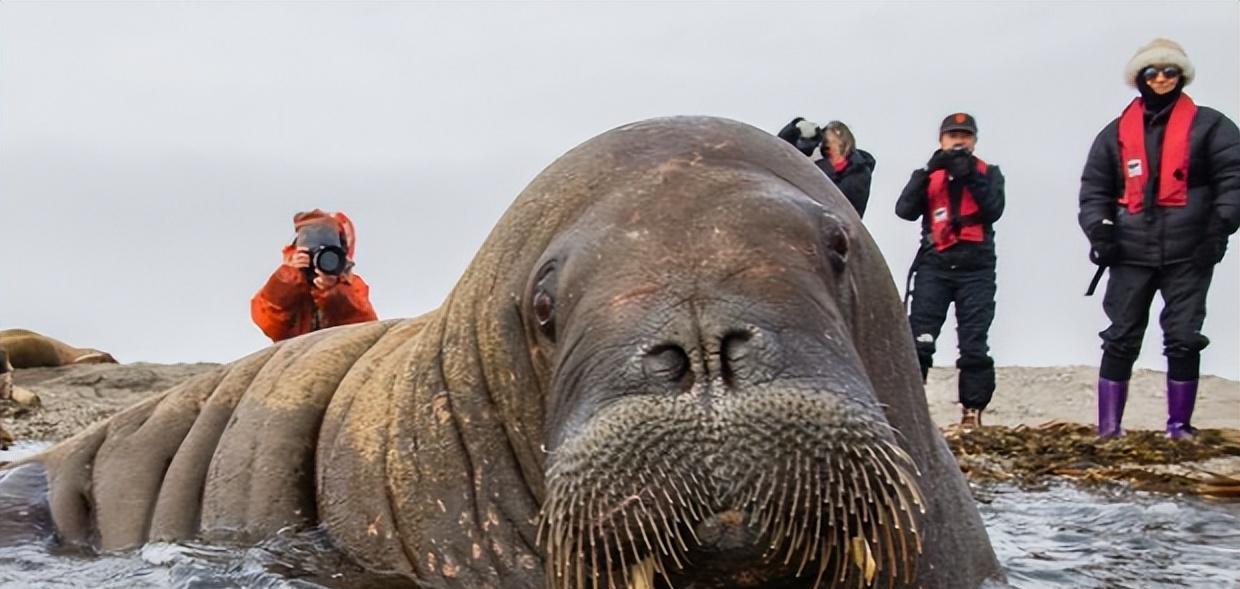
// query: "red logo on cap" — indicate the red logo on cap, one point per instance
point(960, 117)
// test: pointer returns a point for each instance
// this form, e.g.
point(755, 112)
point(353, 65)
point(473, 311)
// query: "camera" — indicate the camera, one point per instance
point(327, 253)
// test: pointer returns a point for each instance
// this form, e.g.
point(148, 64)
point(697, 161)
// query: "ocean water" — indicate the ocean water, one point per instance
point(1060, 537)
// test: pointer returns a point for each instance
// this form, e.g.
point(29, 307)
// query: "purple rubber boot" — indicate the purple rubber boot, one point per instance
point(1181, 396)
point(1112, 394)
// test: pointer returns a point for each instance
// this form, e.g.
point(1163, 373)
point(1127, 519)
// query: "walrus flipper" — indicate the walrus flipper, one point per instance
point(226, 454)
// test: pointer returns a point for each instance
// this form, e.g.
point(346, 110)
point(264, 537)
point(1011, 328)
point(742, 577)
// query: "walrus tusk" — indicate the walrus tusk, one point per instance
point(864, 558)
point(641, 574)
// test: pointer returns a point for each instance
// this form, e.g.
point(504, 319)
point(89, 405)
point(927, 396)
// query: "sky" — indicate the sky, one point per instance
point(152, 154)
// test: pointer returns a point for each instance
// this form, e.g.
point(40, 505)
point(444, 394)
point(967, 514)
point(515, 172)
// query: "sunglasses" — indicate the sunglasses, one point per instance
point(1170, 72)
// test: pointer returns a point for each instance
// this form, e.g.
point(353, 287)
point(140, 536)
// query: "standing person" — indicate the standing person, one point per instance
point(848, 167)
point(1160, 195)
point(315, 286)
point(958, 198)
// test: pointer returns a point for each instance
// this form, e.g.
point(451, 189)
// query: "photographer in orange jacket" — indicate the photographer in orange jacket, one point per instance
point(315, 286)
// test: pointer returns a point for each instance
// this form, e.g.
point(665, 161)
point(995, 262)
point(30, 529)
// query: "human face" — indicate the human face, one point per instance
point(951, 139)
point(835, 146)
point(1161, 78)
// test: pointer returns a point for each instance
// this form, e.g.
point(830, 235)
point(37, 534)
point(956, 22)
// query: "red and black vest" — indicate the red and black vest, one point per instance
point(939, 211)
point(1173, 163)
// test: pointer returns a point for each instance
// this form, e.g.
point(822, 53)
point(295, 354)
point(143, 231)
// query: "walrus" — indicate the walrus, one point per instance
point(28, 349)
point(679, 360)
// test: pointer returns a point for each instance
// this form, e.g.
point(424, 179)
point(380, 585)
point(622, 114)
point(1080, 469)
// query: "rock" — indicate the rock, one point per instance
point(24, 397)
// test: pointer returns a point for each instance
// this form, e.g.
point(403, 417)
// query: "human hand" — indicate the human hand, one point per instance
point(299, 259)
point(938, 161)
point(325, 281)
point(1103, 250)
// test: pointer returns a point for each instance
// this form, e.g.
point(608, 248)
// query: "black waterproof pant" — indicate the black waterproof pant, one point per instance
point(973, 292)
point(1130, 291)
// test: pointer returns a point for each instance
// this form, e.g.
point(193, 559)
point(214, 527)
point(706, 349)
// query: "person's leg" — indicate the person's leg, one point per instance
point(932, 294)
point(1130, 290)
point(975, 311)
point(1184, 288)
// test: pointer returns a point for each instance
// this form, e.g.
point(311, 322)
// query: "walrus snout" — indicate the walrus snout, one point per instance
point(788, 482)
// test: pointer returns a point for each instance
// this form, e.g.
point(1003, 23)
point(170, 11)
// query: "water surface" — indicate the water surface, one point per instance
point(1061, 537)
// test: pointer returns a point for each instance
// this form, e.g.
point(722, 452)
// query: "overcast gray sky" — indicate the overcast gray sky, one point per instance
point(152, 155)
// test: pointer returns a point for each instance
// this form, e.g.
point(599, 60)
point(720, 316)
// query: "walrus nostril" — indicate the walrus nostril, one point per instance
point(734, 350)
point(666, 363)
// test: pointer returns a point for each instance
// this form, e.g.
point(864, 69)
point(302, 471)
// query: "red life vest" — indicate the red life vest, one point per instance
point(1172, 166)
point(938, 210)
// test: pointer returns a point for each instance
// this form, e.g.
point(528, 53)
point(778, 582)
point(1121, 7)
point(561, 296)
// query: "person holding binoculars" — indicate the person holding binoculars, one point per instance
point(315, 286)
point(849, 168)
point(958, 198)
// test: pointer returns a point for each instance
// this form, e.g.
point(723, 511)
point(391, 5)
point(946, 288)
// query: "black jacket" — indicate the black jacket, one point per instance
point(1159, 236)
point(854, 181)
point(987, 190)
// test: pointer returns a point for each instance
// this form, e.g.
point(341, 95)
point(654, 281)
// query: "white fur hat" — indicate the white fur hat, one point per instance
point(1160, 51)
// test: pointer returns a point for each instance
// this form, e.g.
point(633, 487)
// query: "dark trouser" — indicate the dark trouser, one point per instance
point(1130, 291)
point(973, 292)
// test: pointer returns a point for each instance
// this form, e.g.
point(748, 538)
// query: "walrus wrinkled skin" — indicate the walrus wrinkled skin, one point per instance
point(679, 357)
point(28, 349)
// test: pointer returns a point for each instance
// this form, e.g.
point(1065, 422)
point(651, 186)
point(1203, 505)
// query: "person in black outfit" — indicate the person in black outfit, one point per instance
point(848, 167)
point(958, 198)
point(1160, 195)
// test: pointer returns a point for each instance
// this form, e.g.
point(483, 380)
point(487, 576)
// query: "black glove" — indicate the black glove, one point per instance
point(961, 164)
point(790, 133)
point(1103, 250)
point(938, 161)
point(1210, 252)
point(802, 134)
point(1213, 247)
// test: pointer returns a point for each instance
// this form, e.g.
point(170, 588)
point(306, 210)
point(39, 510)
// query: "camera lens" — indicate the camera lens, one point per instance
point(329, 260)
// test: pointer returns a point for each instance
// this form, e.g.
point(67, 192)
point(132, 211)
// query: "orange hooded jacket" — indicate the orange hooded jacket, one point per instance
point(288, 305)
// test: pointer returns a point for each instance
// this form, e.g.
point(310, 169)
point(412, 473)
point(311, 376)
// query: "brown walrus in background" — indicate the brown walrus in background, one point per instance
point(27, 349)
point(678, 360)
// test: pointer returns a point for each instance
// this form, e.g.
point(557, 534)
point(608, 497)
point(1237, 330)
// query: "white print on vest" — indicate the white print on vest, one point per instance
point(1134, 168)
point(940, 214)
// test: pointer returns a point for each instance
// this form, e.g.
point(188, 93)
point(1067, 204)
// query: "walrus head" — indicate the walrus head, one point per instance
point(710, 423)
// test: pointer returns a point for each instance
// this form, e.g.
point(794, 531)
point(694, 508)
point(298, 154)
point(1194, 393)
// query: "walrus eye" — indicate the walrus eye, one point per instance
point(837, 249)
point(544, 309)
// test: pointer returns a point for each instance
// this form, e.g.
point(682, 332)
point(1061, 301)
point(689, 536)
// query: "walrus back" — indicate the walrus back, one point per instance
point(229, 453)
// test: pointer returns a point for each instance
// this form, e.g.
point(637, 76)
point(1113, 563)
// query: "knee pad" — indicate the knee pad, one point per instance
point(1176, 346)
point(975, 362)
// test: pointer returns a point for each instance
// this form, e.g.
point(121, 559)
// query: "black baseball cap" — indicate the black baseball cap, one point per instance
point(959, 121)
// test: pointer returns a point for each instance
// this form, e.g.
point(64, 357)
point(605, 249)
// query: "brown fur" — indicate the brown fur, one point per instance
point(27, 349)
